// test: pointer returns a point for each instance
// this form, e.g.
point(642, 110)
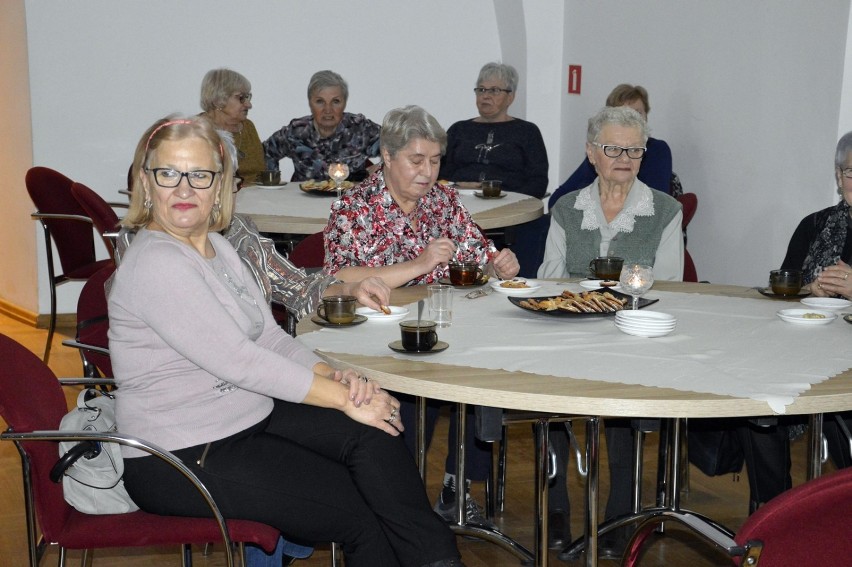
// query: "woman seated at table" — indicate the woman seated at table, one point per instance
point(329, 135)
point(498, 146)
point(656, 168)
point(404, 227)
point(276, 434)
point(617, 215)
point(226, 100)
point(821, 247)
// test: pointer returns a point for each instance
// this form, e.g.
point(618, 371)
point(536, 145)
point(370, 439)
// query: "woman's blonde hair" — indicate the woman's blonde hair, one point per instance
point(176, 129)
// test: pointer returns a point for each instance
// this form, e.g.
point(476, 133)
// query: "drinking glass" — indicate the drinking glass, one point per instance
point(338, 173)
point(636, 279)
point(440, 304)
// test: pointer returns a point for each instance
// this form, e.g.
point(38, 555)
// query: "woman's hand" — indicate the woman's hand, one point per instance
point(382, 413)
point(505, 264)
point(361, 388)
point(372, 292)
point(834, 280)
point(439, 252)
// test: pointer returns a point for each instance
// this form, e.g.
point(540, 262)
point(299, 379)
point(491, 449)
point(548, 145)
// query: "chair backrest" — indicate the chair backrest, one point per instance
point(689, 202)
point(50, 191)
point(31, 399)
point(309, 253)
point(97, 209)
point(93, 320)
point(807, 525)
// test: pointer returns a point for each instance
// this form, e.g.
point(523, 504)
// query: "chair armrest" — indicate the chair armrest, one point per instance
point(57, 216)
point(82, 381)
point(136, 443)
point(83, 346)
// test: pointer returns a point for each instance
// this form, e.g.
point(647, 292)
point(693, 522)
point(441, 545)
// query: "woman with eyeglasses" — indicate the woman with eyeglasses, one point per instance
point(328, 135)
point(203, 370)
point(821, 247)
point(656, 169)
point(617, 215)
point(496, 145)
point(226, 101)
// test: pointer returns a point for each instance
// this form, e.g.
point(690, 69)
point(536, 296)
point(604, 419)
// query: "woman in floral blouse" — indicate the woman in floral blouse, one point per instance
point(404, 227)
point(400, 224)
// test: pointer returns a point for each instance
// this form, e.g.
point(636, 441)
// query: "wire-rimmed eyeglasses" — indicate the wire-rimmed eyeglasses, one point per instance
point(243, 97)
point(847, 172)
point(170, 178)
point(613, 151)
point(493, 91)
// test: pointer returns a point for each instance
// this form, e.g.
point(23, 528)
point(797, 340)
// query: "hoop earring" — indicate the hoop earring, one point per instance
point(148, 203)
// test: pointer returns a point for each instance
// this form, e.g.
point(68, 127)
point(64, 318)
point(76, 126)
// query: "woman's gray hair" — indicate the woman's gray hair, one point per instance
point(218, 85)
point(324, 79)
point(844, 146)
point(500, 71)
point(620, 116)
point(401, 125)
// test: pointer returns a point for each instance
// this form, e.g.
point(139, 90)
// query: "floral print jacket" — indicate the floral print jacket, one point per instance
point(368, 228)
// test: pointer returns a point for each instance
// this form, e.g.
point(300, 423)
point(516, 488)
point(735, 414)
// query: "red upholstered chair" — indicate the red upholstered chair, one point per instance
point(31, 400)
point(93, 324)
point(309, 253)
point(807, 525)
point(100, 211)
point(689, 202)
point(65, 225)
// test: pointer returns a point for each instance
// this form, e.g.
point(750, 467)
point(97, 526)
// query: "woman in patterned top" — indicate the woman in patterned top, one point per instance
point(328, 135)
point(400, 224)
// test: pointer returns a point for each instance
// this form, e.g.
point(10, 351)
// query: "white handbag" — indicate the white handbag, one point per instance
point(92, 483)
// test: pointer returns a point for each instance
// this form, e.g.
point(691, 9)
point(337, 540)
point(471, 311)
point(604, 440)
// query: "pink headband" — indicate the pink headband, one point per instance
point(172, 123)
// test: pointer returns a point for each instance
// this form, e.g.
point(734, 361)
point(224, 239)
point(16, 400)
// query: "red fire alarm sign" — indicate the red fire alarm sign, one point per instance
point(575, 76)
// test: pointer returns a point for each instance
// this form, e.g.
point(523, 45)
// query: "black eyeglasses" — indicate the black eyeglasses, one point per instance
point(170, 178)
point(243, 97)
point(493, 91)
point(614, 151)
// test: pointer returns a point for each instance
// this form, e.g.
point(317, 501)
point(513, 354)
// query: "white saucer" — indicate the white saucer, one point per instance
point(396, 314)
point(797, 316)
point(826, 303)
point(532, 287)
point(596, 284)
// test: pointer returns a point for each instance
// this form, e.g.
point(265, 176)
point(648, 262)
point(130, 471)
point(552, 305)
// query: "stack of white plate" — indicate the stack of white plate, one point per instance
point(645, 323)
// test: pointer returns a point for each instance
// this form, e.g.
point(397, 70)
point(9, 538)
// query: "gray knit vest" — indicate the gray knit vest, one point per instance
point(639, 246)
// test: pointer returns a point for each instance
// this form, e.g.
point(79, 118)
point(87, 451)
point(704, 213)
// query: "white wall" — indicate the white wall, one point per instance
point(747, 94)
point(18, 274)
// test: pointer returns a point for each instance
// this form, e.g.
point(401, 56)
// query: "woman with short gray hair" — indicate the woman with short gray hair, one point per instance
point(328, 135)
point(226, 101)
point(431, 226)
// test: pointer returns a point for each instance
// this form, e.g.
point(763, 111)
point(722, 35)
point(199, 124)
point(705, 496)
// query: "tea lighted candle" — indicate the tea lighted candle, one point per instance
point(636, 279)
point(338, 172)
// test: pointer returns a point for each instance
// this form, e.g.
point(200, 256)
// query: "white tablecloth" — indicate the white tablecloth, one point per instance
point(292, 201)
point(722, 345)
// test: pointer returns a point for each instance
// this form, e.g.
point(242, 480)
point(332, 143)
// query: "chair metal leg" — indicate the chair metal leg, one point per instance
point(242, 550)
point(86, 559)
point(336, 554)
point(500, 493)
point(51, 327)
point(186, 555)
point(62, 556)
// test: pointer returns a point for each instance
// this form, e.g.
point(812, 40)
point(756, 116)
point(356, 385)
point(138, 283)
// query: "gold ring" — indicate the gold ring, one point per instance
point(846, 276)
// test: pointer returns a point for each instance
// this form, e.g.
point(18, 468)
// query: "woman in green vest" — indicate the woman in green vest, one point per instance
point(617, 215)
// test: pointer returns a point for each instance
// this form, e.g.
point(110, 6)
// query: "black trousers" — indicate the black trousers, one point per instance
point(314, 474)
